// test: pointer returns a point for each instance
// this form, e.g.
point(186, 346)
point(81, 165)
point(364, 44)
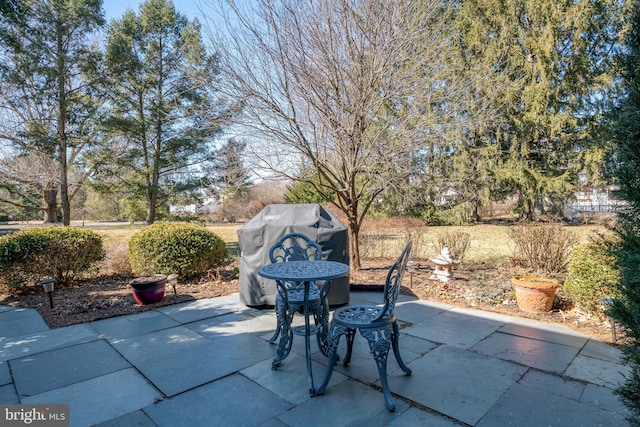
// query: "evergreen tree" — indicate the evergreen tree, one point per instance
point(47, 95)
point(626, 308)
point(302, 192)
point(550, 63)
point(233, 181)
point(163, 117)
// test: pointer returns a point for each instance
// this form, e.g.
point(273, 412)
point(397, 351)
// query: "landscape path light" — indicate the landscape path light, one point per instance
point(411, 268)
point(49, 286)
point(172, 279)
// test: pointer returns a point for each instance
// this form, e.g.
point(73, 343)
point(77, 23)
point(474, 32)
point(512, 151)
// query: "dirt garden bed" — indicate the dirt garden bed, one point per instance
point(474, 286)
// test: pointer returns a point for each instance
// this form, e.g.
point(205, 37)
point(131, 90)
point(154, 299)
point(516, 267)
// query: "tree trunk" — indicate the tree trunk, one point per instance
point(64, 194)
point(354, 250)
point(151, 208)
point(51, 211)
point(475, 213)
point(155, 176)
point(529, 212)
point(157, 152)
point(354, 243)
point(62, 135)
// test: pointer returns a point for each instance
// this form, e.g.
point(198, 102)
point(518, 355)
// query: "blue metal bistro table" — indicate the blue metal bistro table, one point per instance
point(305, 273)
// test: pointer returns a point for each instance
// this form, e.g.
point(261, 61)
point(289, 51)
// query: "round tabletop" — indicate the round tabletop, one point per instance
point(300, 271)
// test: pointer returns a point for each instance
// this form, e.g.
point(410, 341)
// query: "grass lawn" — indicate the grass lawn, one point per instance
point(488, 243)
point(116, 235)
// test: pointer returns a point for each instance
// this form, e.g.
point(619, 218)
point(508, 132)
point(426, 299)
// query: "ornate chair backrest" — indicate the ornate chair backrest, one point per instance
point(394, 281)
point(294, 247)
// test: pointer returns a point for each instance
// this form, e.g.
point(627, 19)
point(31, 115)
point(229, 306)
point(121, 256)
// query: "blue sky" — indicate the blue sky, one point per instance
point(115, 8)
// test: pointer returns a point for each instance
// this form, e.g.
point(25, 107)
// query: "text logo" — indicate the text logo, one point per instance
point(34, 415)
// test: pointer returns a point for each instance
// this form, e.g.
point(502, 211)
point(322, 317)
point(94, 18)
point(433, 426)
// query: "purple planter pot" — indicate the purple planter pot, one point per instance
point(148, 289)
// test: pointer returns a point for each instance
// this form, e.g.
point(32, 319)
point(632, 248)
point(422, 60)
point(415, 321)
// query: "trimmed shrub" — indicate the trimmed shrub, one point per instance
point(457, 241)
point(545, 248)
point(116, 261)
point(591, 275)
point(28, 256)
point(175, 247)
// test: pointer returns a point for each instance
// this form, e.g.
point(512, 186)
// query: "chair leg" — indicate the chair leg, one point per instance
point(380, 343)
point(334, 339)
point(396, 349)
point(321, 320)
point(286, 340)
point(276, 333)
point(323, 343)
point(350, 334)
point(279, 322)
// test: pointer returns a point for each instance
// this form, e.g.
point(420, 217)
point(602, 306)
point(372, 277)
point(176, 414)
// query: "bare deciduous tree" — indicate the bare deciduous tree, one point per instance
point(31, 182)
point(45, 90)
point(29, 169)
point(339, 93)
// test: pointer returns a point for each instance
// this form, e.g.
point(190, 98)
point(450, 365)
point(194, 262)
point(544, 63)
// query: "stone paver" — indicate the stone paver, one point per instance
point(460, 384)
point(453, 329)
point(415, 417)
point(178, 359)
point(526, 404)
point(118, 328)
point(286, 381)
point(5, 375)
point(597, 371)
point(137, 419)
point(65, 366)
point(20, 321)
point(102, 398)
point(202, 309)
point(8, 394)
point(208, 362)
point(32, 343)
point(346, 403)
point(544, 332)
point(544, 355)
point(231, 401)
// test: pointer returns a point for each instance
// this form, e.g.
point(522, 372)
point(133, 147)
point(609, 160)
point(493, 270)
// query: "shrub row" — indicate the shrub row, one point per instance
point(28, 256)
point(64, 253)
point(187, 249)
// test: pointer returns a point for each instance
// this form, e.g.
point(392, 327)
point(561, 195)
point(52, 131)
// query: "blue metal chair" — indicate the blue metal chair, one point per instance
point(376, 323)
point(290, 297)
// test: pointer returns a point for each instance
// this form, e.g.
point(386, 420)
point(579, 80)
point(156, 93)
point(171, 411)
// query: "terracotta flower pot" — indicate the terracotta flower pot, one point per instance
point(534, 294)
point(148, 289)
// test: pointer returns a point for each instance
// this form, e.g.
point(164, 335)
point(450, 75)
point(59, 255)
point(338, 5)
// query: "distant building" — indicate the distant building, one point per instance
point(208, 205)
point(591, 202)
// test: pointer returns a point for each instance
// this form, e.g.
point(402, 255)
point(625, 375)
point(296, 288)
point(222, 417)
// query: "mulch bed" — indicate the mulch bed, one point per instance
point(102, 297)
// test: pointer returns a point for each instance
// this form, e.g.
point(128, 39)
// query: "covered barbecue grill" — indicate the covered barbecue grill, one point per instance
point(262, 231)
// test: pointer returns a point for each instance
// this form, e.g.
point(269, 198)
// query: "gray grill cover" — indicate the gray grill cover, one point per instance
point(256, 237)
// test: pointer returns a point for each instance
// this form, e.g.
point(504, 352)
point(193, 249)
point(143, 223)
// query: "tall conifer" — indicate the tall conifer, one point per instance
point(626, 308)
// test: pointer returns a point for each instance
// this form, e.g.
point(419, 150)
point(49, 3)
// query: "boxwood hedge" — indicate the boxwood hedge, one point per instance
point(28, 256)
point(175, 247)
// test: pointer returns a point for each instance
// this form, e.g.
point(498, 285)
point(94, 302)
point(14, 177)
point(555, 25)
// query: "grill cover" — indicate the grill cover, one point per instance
point(256, 237)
